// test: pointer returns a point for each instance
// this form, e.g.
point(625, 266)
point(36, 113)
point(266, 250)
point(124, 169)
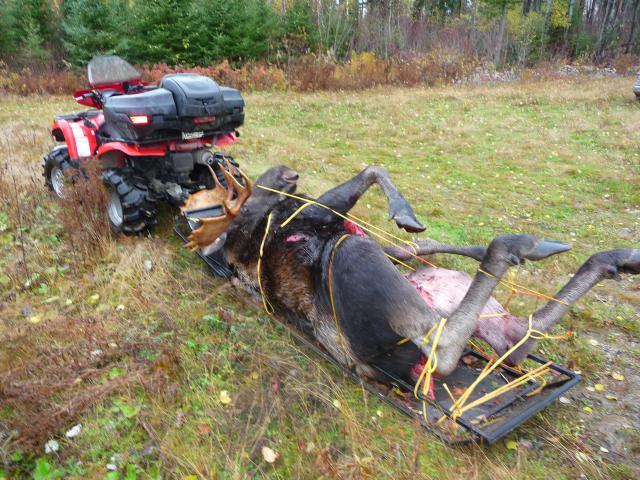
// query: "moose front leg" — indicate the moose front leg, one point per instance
point(343, 197)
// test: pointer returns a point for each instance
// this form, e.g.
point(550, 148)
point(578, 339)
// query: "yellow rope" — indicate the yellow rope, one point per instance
point(294, 214)
point(375, 227)
point(333, 305)
point(431, 364)
point(459, 409)
point(515, 288)
point(400, 262)
point(459, 406)
point(494, 315)
point(345, 217)
point(490, 367)
point(265, 302)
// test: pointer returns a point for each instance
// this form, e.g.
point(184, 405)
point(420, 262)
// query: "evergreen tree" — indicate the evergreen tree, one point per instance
point(29, 32)
point(239, 30)
point(300, 31)
point(7, 29)
point(155, 31)
point(94, 27)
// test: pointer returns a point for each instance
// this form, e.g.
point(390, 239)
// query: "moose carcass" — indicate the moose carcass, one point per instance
point(347, 293)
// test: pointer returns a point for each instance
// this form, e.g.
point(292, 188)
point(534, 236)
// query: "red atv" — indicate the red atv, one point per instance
point(152, 142)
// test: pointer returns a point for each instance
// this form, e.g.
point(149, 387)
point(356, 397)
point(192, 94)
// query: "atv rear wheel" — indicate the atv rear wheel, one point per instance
point(57, 167)
point(131, 208)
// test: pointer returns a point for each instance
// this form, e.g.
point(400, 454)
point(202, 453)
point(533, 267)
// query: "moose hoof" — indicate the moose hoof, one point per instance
point(516, 248)
point(402, 213)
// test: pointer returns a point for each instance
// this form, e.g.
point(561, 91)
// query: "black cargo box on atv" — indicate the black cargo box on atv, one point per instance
point(183, 106)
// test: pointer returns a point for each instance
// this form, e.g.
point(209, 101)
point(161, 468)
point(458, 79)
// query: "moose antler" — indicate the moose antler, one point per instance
point(211, 228)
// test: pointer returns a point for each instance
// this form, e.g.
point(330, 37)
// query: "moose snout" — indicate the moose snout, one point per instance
point(291, 176)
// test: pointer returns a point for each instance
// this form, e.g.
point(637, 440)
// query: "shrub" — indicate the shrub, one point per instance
point(627, 63)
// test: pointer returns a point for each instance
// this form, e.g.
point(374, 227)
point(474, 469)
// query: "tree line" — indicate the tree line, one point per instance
point(201, 32)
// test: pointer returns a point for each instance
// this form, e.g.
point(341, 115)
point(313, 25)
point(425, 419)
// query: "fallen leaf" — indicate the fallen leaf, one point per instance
point(51, 446)
point(74, 432)
point(582, 457)
point(275, 385)
point(93, 299)
point(269, 455)
point(587, 409)
point(617, 376)
point(458, 391)
point(599, 387)
point(225, 399)
point(512, 445)
point(204, 429)
point(379, 413)
point(35, 319)
point(613, 398)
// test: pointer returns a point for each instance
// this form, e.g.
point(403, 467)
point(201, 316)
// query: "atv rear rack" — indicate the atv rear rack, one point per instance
point(485, 423)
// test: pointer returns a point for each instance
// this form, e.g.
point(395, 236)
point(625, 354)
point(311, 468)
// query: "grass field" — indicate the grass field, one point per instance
point(173, 375)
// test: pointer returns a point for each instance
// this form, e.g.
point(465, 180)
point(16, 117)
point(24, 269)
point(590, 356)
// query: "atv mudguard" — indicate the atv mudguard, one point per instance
point(132, 150)
point(78, 133)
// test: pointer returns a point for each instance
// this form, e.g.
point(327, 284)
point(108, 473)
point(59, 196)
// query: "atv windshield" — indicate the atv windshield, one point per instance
point(110, 69)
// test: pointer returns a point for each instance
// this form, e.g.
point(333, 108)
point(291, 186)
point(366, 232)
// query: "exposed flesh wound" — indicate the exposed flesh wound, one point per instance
point(443, 290)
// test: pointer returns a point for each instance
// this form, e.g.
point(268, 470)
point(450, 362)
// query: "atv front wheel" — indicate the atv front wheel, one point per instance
point(57, 167)
point(130, 208)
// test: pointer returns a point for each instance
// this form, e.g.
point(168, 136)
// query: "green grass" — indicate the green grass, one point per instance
point(557, 159)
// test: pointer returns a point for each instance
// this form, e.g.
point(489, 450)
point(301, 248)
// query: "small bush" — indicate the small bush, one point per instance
point(248, 77)
point(27, 81)
point(83, 213)
point(627, 64)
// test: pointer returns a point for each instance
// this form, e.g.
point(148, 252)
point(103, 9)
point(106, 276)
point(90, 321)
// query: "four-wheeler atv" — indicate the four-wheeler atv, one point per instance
point(152, 142)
